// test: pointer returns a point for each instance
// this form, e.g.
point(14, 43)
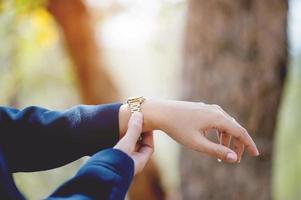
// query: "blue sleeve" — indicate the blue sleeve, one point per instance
point(36, 139)
point(106, 176)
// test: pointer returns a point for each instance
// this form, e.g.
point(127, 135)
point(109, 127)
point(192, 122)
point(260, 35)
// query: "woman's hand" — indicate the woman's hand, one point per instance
point(188, 123)
point(138, 148)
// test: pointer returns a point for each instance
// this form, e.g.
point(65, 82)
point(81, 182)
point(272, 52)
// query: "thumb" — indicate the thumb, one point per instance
point(134, 128)
point(129, 140)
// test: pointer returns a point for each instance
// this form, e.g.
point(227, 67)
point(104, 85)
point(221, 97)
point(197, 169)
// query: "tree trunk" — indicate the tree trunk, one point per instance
point(96, 84)
point(235, 55)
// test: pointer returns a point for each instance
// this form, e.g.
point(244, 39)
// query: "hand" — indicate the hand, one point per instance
point(188, 123)
point(139, 150)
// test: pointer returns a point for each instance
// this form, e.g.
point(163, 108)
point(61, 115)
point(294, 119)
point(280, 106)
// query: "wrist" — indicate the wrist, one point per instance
point(150, 109)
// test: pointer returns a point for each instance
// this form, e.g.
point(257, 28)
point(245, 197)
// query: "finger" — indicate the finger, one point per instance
point(231, 127)
point(239, 148)
point(144, 154)
point(137, 147)
point(250, 144)
point(219, 136)
point(147, 144)
point(146, 141)
point(134, 129)
point(225, 113)
point(129, 141)
point(205, 133)
point(216, 150)
point(225, 139)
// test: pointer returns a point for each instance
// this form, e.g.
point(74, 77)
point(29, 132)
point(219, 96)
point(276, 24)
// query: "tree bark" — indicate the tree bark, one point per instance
point(95, 83)
point(235, 55)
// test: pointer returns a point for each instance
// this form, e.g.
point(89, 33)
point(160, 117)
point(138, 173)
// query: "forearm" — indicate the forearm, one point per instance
point(37, 139)
point(106, 175)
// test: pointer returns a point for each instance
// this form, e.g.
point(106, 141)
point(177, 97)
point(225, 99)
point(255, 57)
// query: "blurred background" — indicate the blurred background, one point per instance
point(243, 55)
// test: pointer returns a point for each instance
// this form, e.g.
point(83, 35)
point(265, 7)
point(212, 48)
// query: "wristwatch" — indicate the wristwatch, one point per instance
point(134, 103)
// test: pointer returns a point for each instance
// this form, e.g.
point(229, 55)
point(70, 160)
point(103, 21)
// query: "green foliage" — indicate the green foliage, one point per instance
point(287, 162)
point(22, 6)
point(32, 58)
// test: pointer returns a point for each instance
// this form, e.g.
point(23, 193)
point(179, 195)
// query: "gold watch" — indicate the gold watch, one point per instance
point(134, 103)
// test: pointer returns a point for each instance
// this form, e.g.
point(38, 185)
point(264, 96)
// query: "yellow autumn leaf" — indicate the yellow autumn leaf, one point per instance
point(45, 26)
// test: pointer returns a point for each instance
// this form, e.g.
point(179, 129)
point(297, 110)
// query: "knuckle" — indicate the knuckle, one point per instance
point(219, 108)
point(216, 107)
point(219, 117)
point(244, 133)
point(213, 106)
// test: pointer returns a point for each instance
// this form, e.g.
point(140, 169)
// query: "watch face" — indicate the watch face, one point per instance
point(134, 98)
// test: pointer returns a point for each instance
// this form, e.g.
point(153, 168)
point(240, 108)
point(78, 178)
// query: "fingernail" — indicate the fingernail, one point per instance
point(231, 157)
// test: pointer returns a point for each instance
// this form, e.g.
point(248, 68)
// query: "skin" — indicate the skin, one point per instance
point(189, 123)
point(139, 150)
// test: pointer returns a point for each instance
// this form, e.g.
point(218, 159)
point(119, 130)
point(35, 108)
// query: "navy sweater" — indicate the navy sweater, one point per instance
point(37, 139)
